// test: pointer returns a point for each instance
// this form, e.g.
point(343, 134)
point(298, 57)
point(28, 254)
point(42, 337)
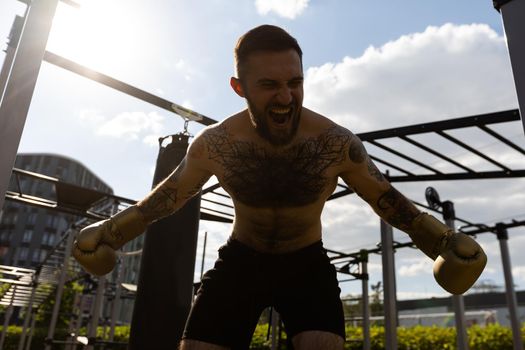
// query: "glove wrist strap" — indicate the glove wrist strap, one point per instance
point(430, 235)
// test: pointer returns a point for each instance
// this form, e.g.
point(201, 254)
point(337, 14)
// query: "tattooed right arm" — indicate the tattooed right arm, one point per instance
point(182, 184)
point(369, 183)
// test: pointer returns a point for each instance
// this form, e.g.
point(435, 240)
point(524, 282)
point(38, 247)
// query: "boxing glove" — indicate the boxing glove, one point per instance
point(458, 259)
point(95, 245)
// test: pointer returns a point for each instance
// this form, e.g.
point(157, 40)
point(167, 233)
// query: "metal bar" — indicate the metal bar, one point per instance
point(217, 211)
point(56, 181)
point(485, 228)
point(401, 155)
point(221, 194)
point(366, 302)
point(510, 293)
point(456, 123)
point(95, 315)
point(457, 300)
point(203, 252)
point(14, 37)
point(459, 316)
point(473, 150)
point(60, 288)
point(460, 176)
point(501, 138)
point(126, 88)
point(393, 166)
point(513, 13)
point(389, 285)
point(211, 188)
point(213, 217)
point(21, 83)
point(340, 194)
point(7, 317)
point(218, 203)
point(275, 323)
point(115, 307)
point(28, 313)
point(437, 154)
point(9, 280)
point(31, 330)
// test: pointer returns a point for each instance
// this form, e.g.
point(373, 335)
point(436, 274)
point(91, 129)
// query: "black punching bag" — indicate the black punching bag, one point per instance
point(165, 285)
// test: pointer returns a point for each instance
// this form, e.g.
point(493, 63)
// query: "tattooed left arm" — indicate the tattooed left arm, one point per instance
point(362, 175)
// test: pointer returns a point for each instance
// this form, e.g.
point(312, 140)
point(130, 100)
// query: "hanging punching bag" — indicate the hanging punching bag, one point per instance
point(165, 284)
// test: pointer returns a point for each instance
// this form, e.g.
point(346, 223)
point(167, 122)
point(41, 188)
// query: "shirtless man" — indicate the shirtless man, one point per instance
point(279, 161)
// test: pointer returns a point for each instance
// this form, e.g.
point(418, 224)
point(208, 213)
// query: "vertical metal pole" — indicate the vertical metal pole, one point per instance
point(275, 324)
point(72, 320)
point(14, 37)
point(28, 311)
point(20, 85)
point(512, 303)
point(60, 288)
point(31, 331)
point(7, 317)
point(115, 307)
point(389, 293)
point(203, 253)
point(366, 302)
point(79, 323)
point(95, 315)
point(513, 13)
point(449, 216)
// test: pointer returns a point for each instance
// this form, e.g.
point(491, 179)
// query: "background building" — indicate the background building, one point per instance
point(28, 233)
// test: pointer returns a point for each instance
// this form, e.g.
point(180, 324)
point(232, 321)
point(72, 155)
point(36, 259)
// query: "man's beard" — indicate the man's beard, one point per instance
point(259, 120)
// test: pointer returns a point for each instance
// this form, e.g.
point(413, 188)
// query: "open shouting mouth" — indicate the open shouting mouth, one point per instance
point(280, 115)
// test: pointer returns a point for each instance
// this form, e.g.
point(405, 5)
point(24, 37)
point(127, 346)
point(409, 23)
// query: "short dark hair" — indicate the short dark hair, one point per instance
point(263, 38)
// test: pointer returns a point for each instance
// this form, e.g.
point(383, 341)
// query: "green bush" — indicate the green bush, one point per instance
point(492, 337)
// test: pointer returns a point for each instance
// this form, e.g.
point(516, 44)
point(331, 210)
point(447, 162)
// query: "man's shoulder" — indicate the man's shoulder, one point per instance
point(226, 126)
point(320, 124)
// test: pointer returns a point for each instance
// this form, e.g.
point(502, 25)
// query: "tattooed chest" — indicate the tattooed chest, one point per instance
point(271, 182)
point(295, 177)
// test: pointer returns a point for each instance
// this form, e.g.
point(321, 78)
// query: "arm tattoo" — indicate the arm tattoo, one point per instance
point(374, 171)
point(397, 210)
point(158, 204)
point(356, 151)
point(165, 199)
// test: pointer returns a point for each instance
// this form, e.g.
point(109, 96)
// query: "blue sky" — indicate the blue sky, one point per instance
point(369, 65)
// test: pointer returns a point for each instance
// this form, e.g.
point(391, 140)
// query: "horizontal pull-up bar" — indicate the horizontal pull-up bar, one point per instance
point(145, 96)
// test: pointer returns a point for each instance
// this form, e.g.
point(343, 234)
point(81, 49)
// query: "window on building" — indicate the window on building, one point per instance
point(48, 238)
point(6, 236)
point(43, 254)
point(28, 235)
point(31, 219)
point(36, 255)
point(23, 253)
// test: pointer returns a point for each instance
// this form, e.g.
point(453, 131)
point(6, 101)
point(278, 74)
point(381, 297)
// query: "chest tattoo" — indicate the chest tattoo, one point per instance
point(294, 176)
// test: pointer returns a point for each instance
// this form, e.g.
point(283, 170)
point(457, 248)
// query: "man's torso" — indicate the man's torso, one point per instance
point(278, 192)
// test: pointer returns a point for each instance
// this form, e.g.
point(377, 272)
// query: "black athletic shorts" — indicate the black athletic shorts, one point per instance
point(301, 286)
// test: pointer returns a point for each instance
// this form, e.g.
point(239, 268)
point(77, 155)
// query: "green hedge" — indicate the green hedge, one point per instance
point(492, 337)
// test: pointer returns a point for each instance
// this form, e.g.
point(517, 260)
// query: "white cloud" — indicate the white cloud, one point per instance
point(518, 272)
point(443, 72)
point(132, 125)
point(127, 125)
point(284, 8)
point(91, 116)
point(415, 267)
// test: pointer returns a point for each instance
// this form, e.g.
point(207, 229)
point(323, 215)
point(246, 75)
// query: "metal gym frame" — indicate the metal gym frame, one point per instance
point(216, 205)
point(17, 90)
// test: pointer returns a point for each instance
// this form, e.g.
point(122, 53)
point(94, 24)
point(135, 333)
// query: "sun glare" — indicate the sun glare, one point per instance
point(101, 34)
